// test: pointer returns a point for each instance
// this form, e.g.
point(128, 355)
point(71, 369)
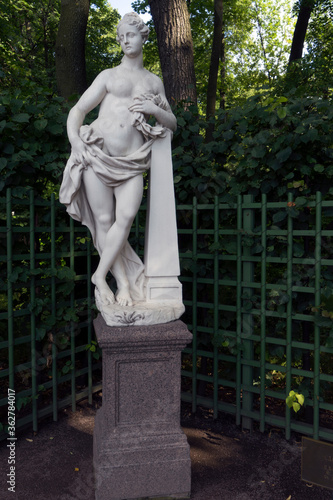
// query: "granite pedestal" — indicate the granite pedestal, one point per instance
point(140, 450)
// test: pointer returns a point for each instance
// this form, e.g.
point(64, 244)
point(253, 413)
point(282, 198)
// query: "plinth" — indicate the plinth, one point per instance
point(140, 450)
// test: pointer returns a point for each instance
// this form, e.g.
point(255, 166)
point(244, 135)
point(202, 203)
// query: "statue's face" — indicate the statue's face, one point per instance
point(130, 39)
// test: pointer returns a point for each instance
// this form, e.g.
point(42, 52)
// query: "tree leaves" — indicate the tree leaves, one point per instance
point(28, 137)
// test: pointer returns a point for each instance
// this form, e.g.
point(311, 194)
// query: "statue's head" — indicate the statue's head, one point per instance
point(133, 19)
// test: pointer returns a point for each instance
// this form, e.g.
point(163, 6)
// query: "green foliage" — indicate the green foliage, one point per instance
point(265, 142)
point(94, 349)
point(102, 49)
point(256, 44)
point(68, 366)
point(27, 38)
point(271, 144)
point(258, 41)
point(27, 41)
point(295, 401)
point(151, 58)
point(33, 144)
point(24, 401)
point(196, 166)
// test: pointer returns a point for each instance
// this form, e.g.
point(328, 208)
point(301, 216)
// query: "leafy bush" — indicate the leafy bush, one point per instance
point(270, 145)
point(34, 144)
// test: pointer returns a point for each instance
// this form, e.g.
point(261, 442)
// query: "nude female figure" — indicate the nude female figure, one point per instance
point(120, 92)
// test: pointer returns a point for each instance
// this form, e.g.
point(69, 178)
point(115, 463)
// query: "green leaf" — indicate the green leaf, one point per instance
point(3, 163)
point(282, 113)
point(40, 333)
point(296, 407)
point(301, 201)
point(289, 401)
point(230, 246)
point(258, 152)
point(283, 155)
point(298, 250)
point(40, 124)
point(279, 216)
point(56, 129)
point(21, 118)
point(300, 399)
point(257, 249)
point(9, 149)
point(312, 134)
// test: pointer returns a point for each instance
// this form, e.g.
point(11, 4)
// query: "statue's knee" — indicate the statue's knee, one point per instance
point(125, 220)
point(104, 221)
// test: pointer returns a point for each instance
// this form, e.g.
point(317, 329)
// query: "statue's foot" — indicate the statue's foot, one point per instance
point(106, 295)
point(123, 297)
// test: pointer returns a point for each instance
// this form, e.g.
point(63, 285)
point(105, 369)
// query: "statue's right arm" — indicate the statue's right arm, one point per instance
point(88, 101)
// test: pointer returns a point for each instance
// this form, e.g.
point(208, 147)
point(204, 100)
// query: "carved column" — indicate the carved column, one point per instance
point(161, 245)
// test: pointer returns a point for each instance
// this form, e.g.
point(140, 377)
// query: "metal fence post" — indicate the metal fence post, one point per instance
point(216, 307)
point(33, 317)
point(247, 317)
point(316, 366)
point(239, 311)
point(263, 311)
point(10, 289)
point(289, 311)
point(53, 311)
point(194, 307)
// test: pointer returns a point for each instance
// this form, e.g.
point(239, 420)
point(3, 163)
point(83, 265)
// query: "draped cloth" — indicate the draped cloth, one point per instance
point(112, 171)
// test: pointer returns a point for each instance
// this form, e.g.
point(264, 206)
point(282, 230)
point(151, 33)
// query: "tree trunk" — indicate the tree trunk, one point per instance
point(300, 30)
point(215, 58)
point(214, 65)
point(70, 47)
point(223, 74)
point(175, 45)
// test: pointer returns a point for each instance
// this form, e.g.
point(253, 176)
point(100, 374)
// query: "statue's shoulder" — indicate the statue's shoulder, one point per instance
point(107, 73)
point(154, 81)
point(105, 77)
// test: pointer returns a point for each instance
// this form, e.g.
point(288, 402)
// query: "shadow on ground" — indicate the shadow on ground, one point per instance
point(226, 462)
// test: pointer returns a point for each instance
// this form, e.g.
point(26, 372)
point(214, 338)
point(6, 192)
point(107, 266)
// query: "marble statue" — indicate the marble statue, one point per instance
point(102, 185)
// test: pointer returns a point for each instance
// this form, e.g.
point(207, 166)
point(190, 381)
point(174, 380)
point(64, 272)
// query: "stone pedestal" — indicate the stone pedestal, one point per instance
point(140, 450)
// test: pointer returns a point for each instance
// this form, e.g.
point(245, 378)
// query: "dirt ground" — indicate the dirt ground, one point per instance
point(56, 464)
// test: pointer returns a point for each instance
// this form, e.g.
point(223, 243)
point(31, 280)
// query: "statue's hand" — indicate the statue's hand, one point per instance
point(143, 105)
point(80, 153)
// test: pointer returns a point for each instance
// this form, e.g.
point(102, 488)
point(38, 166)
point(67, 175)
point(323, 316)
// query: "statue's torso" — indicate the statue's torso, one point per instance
point(114, 122)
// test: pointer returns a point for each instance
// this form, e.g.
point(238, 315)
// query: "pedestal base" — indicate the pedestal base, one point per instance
point(140, 450)
point(141, 313)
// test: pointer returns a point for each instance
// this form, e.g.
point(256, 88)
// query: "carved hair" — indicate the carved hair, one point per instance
point(134, 19)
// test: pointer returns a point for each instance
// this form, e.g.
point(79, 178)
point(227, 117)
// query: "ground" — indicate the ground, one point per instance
point(56, 463)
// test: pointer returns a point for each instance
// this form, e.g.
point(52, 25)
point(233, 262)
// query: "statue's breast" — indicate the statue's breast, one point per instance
point(124, 84)
point(121, 87)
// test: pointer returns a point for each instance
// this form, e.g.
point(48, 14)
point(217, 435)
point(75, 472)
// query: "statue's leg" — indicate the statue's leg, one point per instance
point(102, 202)
point(123, 296)
point(128, 198)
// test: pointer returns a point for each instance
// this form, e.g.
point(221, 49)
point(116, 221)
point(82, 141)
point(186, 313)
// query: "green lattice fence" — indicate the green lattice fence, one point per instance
point(258, 288)
point(46, 320)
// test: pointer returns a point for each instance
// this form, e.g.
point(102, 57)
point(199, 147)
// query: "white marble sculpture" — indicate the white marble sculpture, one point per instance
point(102, 185)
